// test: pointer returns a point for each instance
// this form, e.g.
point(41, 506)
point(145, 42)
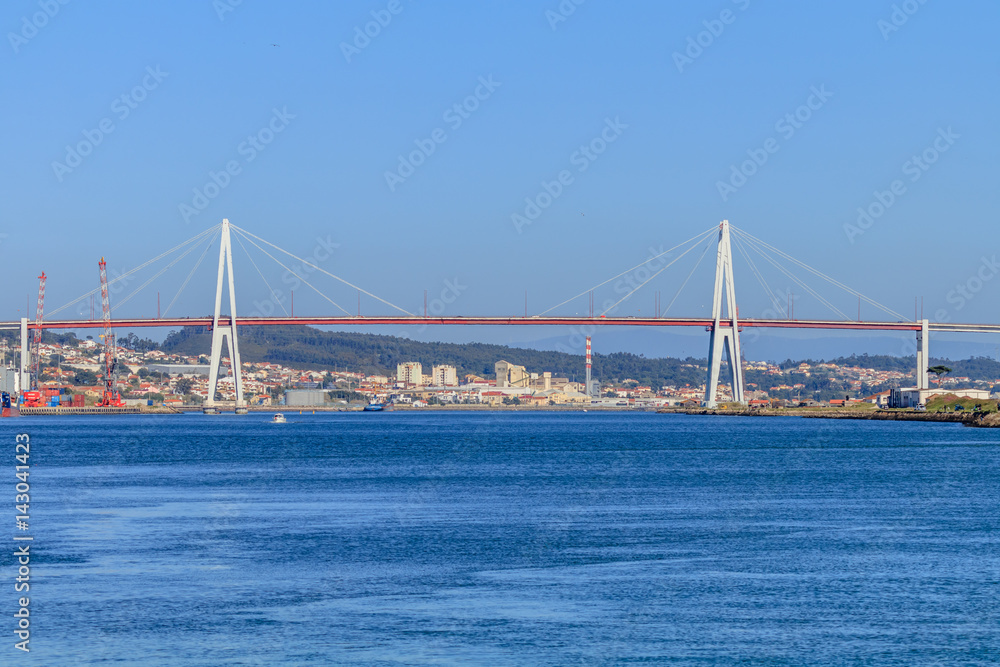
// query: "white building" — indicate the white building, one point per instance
point(411, 374)
point(444, 376)
point(911, 397)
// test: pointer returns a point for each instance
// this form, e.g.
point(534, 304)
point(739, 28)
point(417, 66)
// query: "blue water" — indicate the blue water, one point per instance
point(507, 539)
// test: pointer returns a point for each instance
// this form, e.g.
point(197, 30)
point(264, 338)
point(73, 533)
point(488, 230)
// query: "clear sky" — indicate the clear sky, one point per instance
point(833, 101)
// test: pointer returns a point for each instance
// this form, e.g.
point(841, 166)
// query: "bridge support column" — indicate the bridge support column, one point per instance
point(725, 328)
point(25, 377)
point(228, 332)
point(923, 355)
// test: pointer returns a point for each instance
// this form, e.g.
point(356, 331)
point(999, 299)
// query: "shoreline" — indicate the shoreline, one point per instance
point(975, 419)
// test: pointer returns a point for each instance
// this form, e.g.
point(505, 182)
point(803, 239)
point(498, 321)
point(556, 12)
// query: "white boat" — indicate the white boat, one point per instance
point(278, 419)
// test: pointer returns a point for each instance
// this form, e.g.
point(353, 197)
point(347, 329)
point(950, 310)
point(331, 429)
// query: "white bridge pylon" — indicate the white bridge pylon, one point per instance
point(725, 329)
point(225, 331)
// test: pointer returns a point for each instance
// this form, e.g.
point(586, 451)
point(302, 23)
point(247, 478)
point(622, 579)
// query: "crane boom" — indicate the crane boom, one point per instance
point(36, 341)
point(111, 398)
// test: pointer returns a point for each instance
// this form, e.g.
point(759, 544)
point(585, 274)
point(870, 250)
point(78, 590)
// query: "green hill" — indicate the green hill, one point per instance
point(307, 347)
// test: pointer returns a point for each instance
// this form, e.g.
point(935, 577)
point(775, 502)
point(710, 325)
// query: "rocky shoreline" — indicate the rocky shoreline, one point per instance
point(981, 419)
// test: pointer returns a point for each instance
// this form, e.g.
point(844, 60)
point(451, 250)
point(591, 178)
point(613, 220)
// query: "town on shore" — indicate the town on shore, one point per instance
point(72, 368)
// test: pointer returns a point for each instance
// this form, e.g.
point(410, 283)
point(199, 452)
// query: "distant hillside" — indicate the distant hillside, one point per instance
point(307, 347)
point(48, 336)
point(976, 368)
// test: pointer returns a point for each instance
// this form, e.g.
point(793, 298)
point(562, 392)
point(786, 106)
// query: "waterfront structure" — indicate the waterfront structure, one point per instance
point(264, 380)
point(723, 327)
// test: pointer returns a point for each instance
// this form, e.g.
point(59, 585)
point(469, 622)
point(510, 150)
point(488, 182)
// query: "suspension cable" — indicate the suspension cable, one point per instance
point(295, 274)
point(138, 268)
point(204, 252)
point(270, 289)
point(822, 275)
point(684, 284)
point(156, 275)
point(643, 284)
point(321, 270)
point(757, 274)
point(797, 280)
point(696, 239)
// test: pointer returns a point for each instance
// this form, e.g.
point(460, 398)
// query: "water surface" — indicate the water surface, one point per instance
point(509, 539)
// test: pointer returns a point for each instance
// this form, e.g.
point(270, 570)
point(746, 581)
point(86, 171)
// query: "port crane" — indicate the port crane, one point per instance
point(36, 341)
point(111, 397)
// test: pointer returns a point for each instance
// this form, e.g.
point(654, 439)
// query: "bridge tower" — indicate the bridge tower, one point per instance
point(923, 354)
point(725, 328)
point(225, 331)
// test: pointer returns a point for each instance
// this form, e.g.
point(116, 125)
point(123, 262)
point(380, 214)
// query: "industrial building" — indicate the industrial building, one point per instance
point(305, 398)
point(511, 375)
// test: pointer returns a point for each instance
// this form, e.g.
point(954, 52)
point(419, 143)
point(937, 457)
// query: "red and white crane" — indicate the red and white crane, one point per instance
point(36, 341)
point(111, 398)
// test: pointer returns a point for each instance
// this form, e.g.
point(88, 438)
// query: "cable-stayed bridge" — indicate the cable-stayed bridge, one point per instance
point(723, 326)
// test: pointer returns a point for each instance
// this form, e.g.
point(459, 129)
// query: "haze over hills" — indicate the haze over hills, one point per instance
point(308, 347)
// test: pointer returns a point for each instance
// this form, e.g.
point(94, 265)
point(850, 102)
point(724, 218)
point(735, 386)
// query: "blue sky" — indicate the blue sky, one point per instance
point(885, 81)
